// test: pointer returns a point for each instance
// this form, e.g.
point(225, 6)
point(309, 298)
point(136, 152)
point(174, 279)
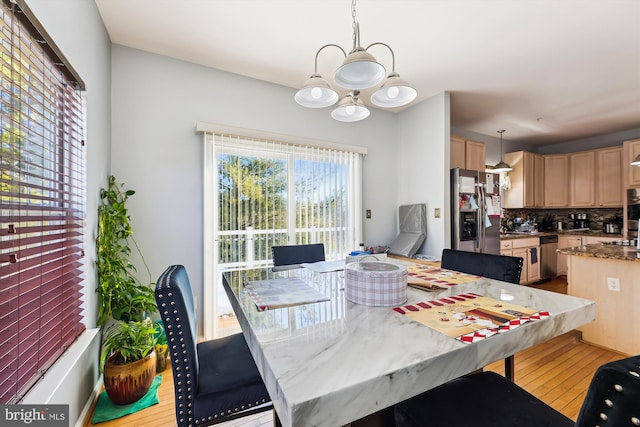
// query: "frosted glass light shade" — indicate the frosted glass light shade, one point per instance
point(394, 92)
point(359, 70)
point(316, 93)
point(350, 110)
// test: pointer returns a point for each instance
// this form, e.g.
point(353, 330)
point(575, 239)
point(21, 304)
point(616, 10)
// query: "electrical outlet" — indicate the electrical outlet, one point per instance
point(613, 284)
point(436, 213)
point(368, 213)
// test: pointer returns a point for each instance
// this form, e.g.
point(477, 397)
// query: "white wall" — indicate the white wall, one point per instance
point(77, 29)
point(423, 166)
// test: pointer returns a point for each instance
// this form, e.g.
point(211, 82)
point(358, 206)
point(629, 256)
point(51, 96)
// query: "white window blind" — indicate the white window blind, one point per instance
point(42, 202)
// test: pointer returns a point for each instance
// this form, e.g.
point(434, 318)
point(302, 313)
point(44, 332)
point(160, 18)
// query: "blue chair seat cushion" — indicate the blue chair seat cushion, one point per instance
point(482, 399)
point(229, 380)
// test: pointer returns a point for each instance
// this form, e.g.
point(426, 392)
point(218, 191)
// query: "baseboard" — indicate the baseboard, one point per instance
point(87, 410)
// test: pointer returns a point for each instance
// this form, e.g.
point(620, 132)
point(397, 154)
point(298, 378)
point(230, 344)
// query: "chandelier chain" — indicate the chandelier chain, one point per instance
point(354, 24)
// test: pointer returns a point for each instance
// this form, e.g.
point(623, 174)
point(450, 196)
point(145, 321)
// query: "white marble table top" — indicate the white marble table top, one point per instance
point(333, 362)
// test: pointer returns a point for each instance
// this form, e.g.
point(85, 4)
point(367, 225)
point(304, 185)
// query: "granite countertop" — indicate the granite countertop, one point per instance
point(595, 233)
point(598, 250)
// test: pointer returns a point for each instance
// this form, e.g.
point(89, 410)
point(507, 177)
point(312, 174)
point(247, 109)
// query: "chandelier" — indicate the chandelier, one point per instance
point(359, 70)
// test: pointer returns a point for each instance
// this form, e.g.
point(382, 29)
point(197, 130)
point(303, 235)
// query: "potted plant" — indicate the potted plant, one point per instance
point(120, 294)
point(128, 360)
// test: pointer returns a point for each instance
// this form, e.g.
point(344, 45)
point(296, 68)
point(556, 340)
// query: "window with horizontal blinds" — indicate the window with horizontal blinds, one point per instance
point(42, 203)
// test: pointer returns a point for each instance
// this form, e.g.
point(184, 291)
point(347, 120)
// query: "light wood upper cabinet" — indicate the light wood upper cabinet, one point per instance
point(556, 180)
point(476, 155)
point(538, 177)
point(631, 151)
point(527, 180)
point(458, 153)
point(583, 179)
point(610, 177)
point(467, 154)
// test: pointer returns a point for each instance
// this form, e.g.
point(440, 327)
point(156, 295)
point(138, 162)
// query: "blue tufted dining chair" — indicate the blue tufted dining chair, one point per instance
point(488, 399)
point(216, 380)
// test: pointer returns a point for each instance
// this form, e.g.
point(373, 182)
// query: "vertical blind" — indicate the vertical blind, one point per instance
point(42, 202)
point(287, 194)
point(259, 193)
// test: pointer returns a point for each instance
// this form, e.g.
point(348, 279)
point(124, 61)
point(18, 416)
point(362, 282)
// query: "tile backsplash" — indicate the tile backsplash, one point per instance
point(596, 216)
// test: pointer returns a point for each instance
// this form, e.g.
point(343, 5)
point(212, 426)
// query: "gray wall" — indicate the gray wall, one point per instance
point(156, 102)
point(592, 143)
point(423, 166)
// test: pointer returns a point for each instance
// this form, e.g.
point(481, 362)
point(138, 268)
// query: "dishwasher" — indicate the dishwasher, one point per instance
point(548, 257)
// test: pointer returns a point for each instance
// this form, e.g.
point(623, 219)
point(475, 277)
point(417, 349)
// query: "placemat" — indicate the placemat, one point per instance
point(107, 410)
point(430, 275)
point(470, 317)
point(278, 293)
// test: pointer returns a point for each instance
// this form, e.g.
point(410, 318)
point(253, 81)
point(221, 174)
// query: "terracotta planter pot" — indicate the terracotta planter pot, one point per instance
point(128, 383)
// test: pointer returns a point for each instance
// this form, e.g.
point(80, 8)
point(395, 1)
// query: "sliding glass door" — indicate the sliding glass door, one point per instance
point(265, 193)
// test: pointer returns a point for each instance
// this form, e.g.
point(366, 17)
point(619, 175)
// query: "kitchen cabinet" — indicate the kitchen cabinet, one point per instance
point(556, 180)
point(529, 250)
point(631, 151)
point(582, 172)
point(566, 242)
point(610, 177)
point(467, 154)
point(527, 180)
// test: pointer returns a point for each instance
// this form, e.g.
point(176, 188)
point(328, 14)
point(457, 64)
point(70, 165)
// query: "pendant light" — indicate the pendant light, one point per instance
point(501, 166)
point(359, 70)
point(636, 161)
point(350, 109)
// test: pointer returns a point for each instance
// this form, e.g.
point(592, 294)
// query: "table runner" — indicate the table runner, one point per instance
point(278, 293)
point(470, 317)
point(430, 275)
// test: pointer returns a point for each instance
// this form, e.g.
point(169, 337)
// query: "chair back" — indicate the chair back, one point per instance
point(613, 398)
point(498, 267)
point(175, 304)
point(291, 256)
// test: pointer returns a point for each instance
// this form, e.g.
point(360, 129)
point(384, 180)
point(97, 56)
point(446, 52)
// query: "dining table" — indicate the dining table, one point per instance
point(327, 361)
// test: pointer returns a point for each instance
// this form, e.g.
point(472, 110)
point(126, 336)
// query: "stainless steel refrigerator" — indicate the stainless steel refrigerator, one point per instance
point(475, 211)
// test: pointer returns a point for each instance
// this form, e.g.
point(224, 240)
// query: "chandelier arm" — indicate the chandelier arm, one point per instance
point(393, 56)
point(327, 45)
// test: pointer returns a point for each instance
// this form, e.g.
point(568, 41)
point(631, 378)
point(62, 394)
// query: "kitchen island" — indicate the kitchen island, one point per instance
point(610, 276)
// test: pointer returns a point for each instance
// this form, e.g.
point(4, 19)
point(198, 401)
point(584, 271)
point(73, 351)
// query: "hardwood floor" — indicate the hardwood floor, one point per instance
point(558, 372)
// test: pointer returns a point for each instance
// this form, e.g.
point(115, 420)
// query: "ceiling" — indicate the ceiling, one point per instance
point(545, 70)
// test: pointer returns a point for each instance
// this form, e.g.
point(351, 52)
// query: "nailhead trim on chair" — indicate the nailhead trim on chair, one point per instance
point(182, 377)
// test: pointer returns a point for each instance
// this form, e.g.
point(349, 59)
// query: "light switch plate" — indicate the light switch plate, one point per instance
point(436, 213)
point(613, 284)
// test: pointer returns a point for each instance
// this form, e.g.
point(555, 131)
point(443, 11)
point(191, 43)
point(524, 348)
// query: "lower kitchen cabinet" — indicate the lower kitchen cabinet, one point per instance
point(566, 242)
point(529, 250)
point(571, 241)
